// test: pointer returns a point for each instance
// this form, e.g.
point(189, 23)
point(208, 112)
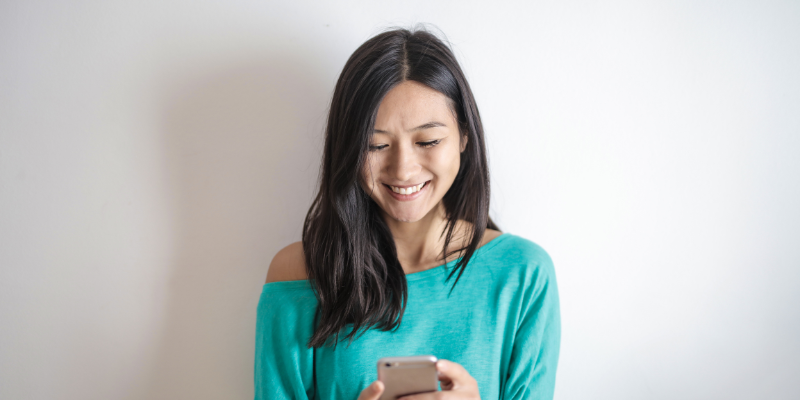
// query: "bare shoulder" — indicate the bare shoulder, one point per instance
point(489, 235)
point(289, 264)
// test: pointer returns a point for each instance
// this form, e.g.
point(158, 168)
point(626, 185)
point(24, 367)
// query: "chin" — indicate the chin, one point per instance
point(406, 217)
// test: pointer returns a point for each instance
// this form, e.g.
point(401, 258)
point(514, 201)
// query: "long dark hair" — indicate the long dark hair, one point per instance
point(350, 255)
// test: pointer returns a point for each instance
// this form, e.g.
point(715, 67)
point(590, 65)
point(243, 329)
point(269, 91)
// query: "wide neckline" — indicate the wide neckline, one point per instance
point(413, 277)
point(435, 270)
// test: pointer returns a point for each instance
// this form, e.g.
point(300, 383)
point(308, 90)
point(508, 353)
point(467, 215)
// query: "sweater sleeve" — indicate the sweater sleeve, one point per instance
point(284, 323)
point(534, 357)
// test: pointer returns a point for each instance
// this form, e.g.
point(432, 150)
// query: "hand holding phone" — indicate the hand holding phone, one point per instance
point(452, 375)
point(407, 375)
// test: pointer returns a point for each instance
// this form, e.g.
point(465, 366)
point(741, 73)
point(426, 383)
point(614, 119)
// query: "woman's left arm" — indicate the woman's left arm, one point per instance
point(534, 357)
point(536, 345)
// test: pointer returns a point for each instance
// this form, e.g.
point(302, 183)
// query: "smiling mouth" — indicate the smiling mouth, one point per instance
point(408, 190)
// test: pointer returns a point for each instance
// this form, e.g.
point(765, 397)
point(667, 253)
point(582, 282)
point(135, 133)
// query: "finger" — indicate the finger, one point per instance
point(452, 371)
point(372, 392)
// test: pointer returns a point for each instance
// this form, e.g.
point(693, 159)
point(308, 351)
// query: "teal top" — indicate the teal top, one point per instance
point(501, 323)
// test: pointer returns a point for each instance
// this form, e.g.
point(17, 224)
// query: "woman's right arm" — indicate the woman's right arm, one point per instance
point(283, 363)
point(289, 264)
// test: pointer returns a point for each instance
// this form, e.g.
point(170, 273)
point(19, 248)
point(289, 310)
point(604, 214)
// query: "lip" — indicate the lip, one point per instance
point(407, 197)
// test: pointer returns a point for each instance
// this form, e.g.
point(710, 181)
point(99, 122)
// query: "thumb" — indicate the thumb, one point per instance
point(372, 392)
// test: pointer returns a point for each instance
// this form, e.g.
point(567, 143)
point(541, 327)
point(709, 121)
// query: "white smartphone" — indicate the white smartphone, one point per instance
point(407, 375)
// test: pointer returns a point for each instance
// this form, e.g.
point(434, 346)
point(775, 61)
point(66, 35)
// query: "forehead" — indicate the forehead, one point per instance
point(411, 103)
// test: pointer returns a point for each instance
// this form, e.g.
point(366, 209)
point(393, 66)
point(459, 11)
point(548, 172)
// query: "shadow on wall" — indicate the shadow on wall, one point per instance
point(242, 148)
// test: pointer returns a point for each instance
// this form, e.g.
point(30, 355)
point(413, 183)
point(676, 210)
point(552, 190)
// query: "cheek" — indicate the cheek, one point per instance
point(447, 163)
point(369, 172)
point(364, 178)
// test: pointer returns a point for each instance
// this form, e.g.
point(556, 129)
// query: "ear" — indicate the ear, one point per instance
point(464, 140)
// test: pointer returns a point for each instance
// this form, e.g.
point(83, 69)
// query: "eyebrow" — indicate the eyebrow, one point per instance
point(432, 124)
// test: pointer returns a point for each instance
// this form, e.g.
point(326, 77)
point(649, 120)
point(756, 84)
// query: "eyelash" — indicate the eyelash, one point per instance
point(423, 144)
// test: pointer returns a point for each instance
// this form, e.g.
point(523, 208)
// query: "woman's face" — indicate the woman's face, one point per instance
point(416, 143)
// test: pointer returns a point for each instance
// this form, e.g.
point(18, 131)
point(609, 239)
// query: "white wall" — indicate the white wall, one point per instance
point(155, 155)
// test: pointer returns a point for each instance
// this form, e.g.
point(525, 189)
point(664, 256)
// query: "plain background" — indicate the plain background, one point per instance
point(155, 155)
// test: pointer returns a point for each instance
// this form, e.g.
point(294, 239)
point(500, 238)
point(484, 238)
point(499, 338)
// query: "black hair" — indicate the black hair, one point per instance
point(350, 254)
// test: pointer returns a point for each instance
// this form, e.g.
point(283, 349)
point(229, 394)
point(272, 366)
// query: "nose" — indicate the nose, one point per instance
point(403, 164)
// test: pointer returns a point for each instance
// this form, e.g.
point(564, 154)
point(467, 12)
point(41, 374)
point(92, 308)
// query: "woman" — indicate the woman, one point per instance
point(399, 255)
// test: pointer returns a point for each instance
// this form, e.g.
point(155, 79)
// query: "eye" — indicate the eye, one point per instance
point(423, 144)
point(431, 143)
point(374, 148)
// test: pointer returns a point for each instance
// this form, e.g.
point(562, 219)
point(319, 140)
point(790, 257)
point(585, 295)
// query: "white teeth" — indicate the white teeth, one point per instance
point(410, 190)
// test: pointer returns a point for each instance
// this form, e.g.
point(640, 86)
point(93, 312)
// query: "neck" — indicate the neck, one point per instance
point(419, 244)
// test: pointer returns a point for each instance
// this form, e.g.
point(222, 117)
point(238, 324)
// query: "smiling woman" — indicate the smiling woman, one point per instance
point(412, 163)
point(402, 208)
